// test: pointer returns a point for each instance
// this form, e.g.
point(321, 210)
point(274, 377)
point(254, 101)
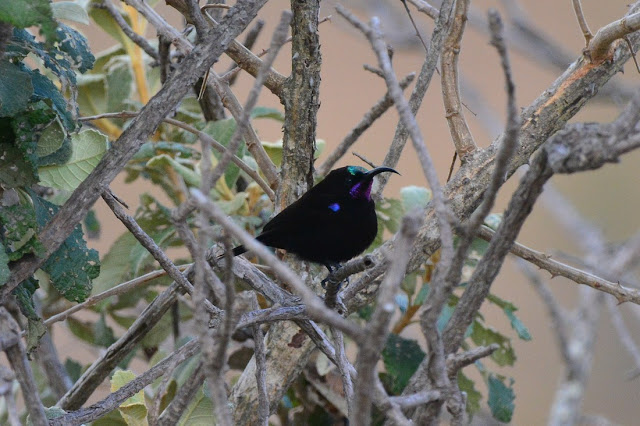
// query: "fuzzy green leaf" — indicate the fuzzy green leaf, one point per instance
point(484, 336)
point(473, 396)
point(72, 266)
point(13, 101)
point(4, 265)
point(70, 11)
point(28, 13)
point(401, 359)
point(35, 327)
point(20, 231)
point(199, 411)
point(134, 409)
point(88, 147)
point(414, 197)
point(501, 398)
point(509, 310)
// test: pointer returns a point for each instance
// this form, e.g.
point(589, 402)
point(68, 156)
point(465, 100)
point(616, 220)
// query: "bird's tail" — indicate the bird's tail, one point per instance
point(239, 250)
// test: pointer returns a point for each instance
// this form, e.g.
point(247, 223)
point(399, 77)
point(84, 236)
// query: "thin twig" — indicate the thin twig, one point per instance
point(136, 38)
point(458, 127)
point(183, 397)
point(584, 27)
point(261, 370)
point(426, 8)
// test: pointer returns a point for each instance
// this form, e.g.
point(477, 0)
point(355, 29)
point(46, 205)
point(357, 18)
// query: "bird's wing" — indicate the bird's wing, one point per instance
point(306, 211)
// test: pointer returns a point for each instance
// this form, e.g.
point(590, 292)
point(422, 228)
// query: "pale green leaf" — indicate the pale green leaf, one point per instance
point(199, 412)
point(134, 409)
point(160, 162)
point(71, 11)
point(88, 148)
point(51, 139)
point(414, 197)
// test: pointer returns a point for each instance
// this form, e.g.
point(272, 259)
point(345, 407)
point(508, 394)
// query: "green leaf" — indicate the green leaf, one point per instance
point(422, 295)
point(112, 418)
point(118, 84)
point(44, 90)
point(27, 13)
point(103, 18)
point(74, 369)
point(115, 266)
point(509, 310)
point(493, 220)
point(76, 46)
point(274, 150)
point(501, 399)
point(13, 101)
point(266, 112)
point(88, 147)
point(232, 206)
point(72, 266)
point(134, 409)
point(35, 327)
point(518, 325)
point(92, 225)
point(473, 396)
point(401, 359)
point(71, 11)
point(17, 167)
point(199, 412)
point(410, 283)
point(222, 131)
point(161, 162)
point(414, 197)
point(81, 329)
point(20, 231)
point(103, 334)
point(51, 141)
point(5, 273)
point(484, 336)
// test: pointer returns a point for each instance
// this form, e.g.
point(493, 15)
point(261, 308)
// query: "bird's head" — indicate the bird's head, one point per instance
point(356, 180)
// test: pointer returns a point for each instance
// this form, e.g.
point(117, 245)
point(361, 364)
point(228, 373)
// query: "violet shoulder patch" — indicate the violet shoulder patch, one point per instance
point(335, 207)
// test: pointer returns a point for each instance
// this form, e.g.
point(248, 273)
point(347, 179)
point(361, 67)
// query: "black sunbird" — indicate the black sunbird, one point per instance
point(331, 223)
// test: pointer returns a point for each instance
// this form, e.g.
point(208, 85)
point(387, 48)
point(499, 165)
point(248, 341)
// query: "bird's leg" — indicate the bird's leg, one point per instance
point(331, 267)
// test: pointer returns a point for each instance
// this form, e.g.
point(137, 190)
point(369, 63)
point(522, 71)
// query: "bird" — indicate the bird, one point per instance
point(331, 223)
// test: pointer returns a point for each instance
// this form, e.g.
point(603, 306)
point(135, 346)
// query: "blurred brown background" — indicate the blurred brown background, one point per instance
point(608, 197)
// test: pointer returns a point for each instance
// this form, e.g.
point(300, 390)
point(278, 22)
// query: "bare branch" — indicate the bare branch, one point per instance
point(426, 8)
point(261, 370)
point(136, 38)
point(458, 127)
point(11, 344)
point(600, 47)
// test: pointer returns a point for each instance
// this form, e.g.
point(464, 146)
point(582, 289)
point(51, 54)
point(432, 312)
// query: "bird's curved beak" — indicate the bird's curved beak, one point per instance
point(371, 173)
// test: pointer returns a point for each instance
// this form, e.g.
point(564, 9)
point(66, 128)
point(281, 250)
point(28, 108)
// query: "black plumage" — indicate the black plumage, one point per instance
point(332, 222)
